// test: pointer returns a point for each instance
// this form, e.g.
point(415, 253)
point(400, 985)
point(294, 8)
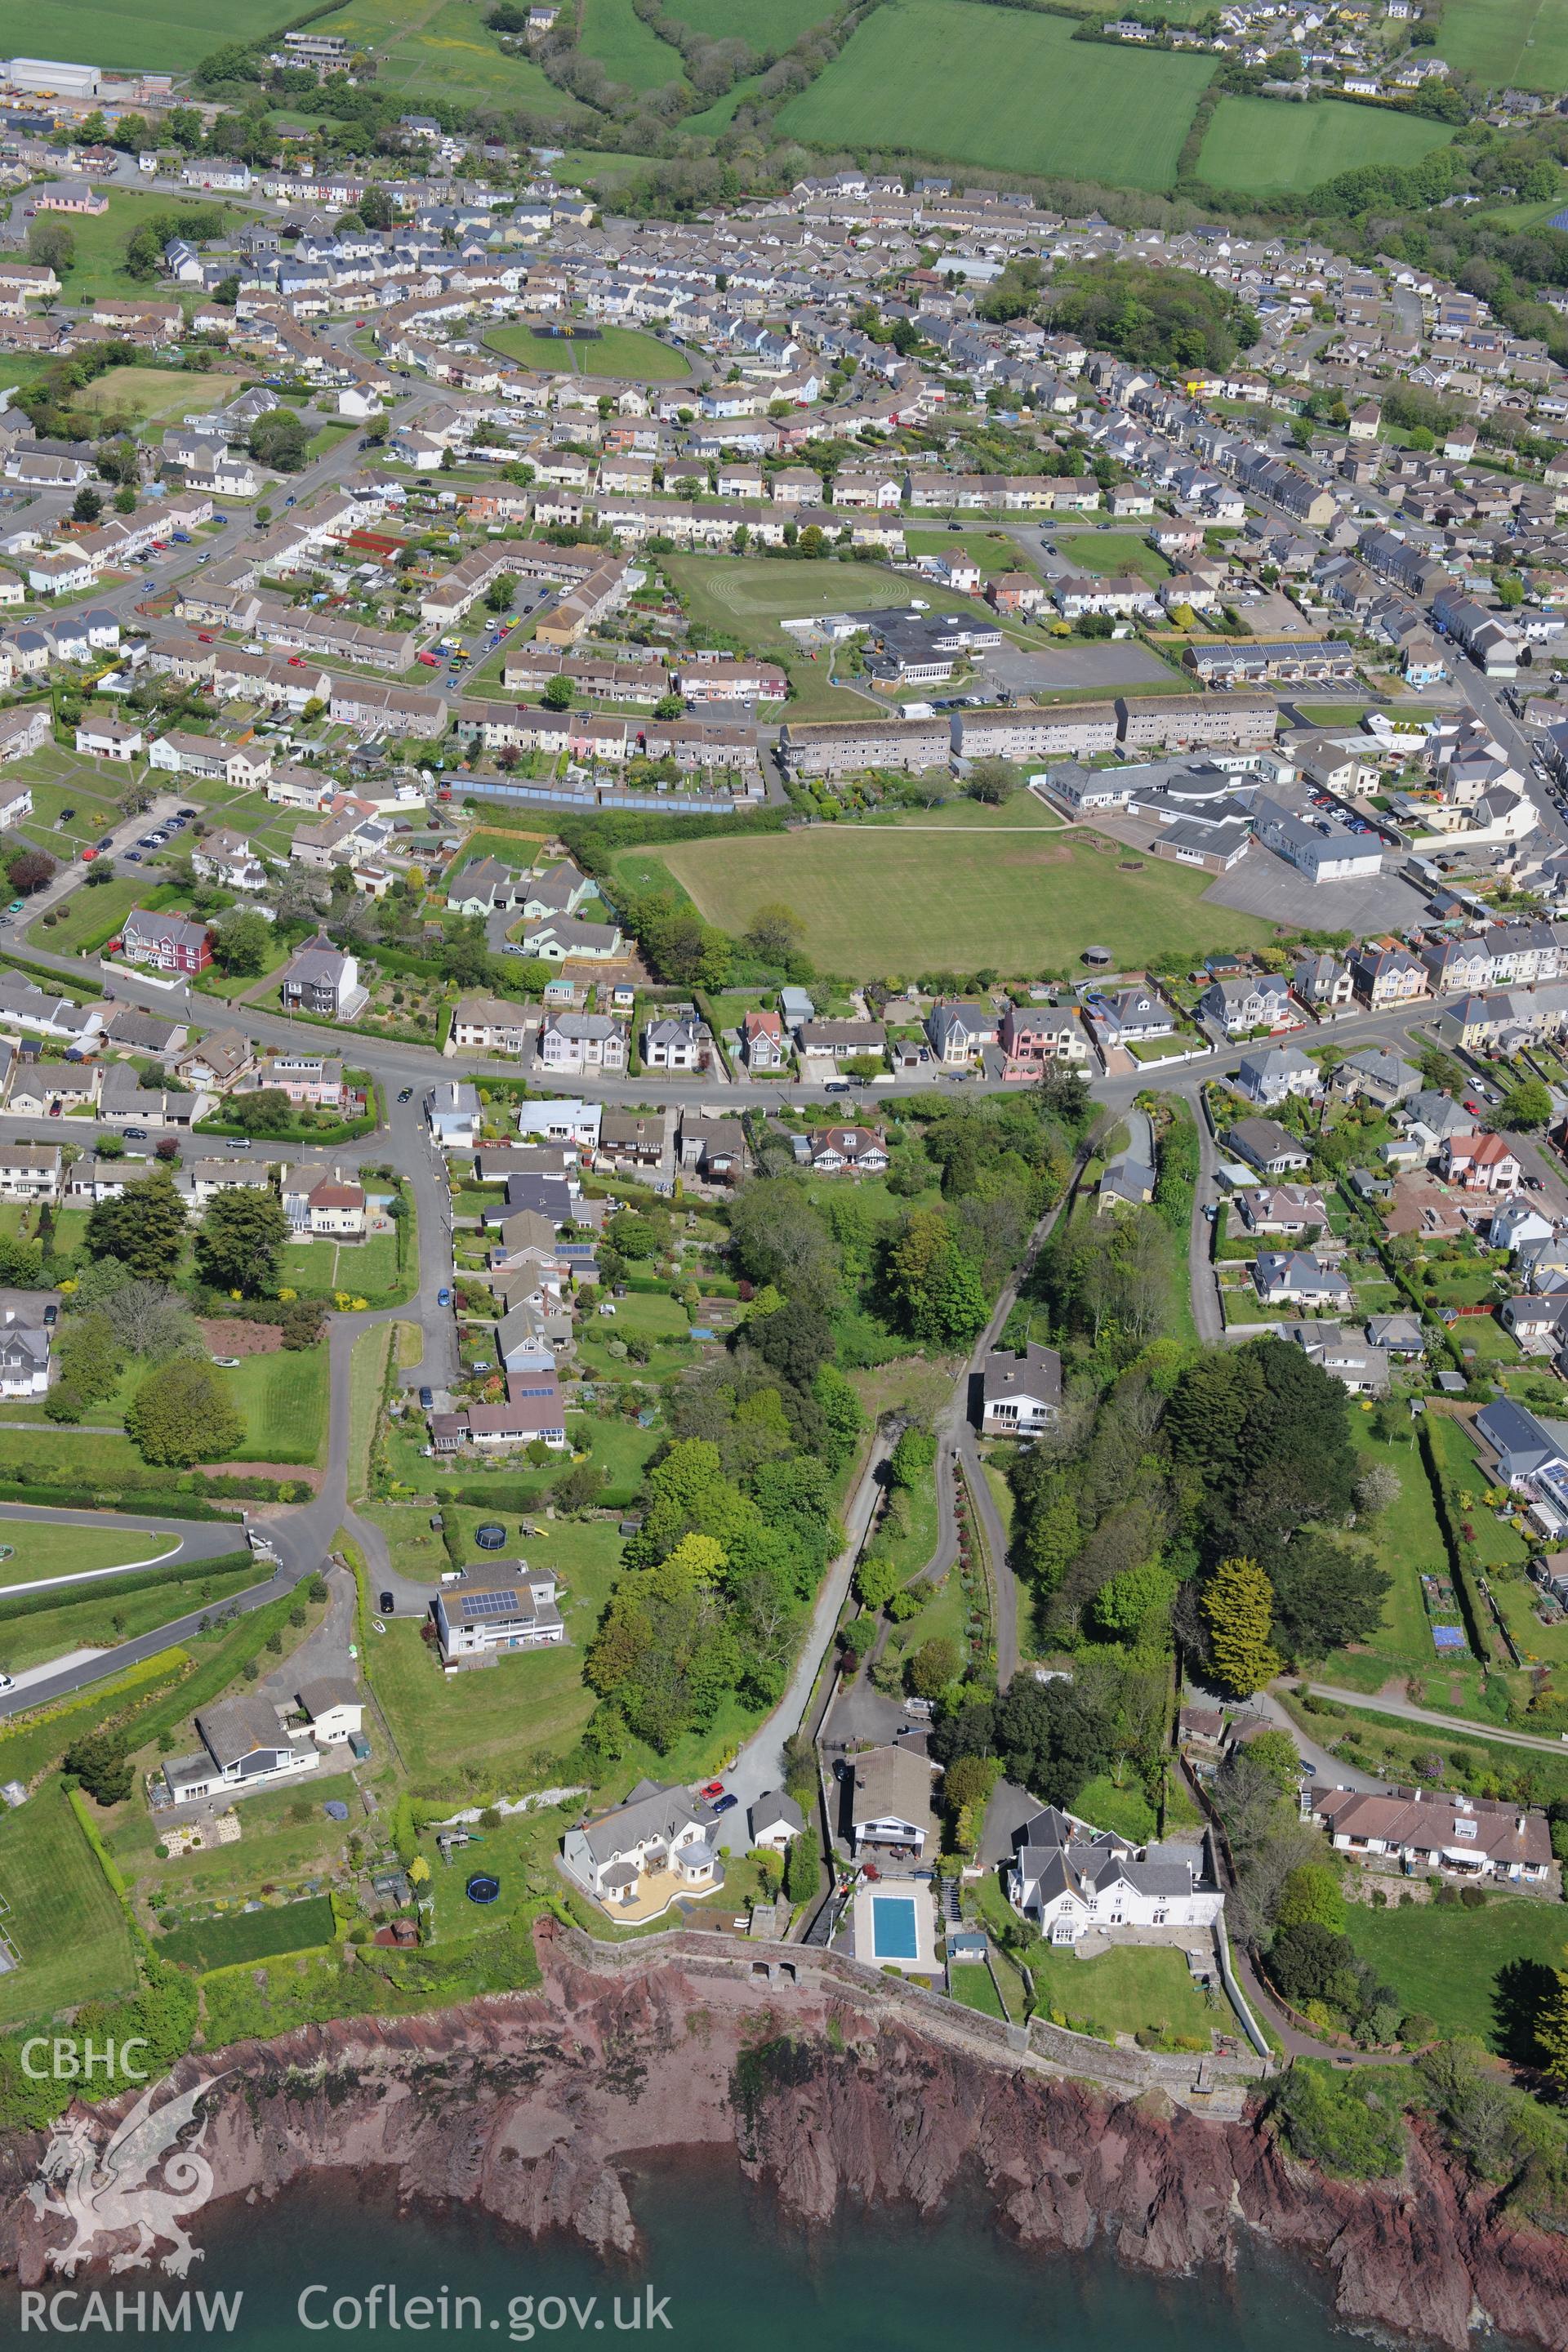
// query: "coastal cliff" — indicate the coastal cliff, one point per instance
point(525, 2104)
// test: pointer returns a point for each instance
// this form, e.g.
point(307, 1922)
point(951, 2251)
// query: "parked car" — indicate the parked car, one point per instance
point(238, 1143)
point(387, 1604)
point(134, 1134)
point(7, 1682)
point(714, 1789)
point(406, 1095)
point(427, 1400)
point(725, 1805)
point(443, 1297)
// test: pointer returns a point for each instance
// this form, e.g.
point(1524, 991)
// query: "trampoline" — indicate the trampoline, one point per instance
point(483, 1887)
point(490, 1536)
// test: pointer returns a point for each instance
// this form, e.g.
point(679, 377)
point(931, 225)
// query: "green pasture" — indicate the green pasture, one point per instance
point(1005, 90)
point(1264, 145)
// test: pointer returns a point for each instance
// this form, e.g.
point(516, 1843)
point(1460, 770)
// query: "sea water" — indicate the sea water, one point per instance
point(719, 2269)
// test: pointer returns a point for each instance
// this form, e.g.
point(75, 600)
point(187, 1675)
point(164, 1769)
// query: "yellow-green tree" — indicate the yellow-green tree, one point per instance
point(1551, 2029)
point(1238, 1607)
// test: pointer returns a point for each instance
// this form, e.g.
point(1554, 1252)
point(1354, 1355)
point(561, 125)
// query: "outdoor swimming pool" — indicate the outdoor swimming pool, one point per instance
point(893, 1934)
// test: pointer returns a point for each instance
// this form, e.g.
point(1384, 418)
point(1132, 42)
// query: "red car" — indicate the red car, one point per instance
point(1472, 1106)
point(296, 661)
point(203, 636)
point(714, 1789)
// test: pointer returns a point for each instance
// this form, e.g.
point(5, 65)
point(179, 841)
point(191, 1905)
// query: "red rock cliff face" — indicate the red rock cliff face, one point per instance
point(522, 2105)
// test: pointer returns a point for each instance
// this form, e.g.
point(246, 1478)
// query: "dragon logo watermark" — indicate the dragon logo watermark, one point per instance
point(140, 2184)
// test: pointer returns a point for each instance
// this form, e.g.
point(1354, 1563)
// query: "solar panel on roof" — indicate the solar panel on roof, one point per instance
point(492, 1604)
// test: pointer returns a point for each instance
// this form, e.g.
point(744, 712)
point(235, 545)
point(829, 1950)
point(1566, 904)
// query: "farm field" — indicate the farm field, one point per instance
point(613, 32)
point(764, 24)
point(615, 352)
point(158, 394)
point(1521, 42)
point(165, 36)
point(877, 900)
point(1260, 144)
point(441, 49)
point(68, 1931)
point(946, 78)
point(100, 241)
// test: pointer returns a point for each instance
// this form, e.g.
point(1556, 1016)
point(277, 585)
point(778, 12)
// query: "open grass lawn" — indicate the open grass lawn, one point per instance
point(251, 1935)
point(530, 1704)
point(282, 1400)
point(1259, 143)
point(620, 1448)
point(1406, 1543)
point(166, 36)
point(42, 1548)
point(68, 1931)
point(1521, 42)
point(946, 78)
point(613, 351)
point(287, 1837)
point(94, 1456)
point(1115, 551)
point(102, 1617)
point(1470, 1970)
point(970, 1982)
point(1498, 1545)
point(1125, 1811)
point(441, 49)
point(994, 552)
point(88, 913)
point(158, 394)
point(885, 900)
point(1133, 1988)
point(628, 51)
point(751, 593)
point(98, 268)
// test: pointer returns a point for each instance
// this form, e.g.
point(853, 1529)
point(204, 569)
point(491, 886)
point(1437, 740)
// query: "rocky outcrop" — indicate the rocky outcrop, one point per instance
point(526, 2105)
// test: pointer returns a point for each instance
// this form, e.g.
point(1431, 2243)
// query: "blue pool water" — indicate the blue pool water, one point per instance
point(893, 1927)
